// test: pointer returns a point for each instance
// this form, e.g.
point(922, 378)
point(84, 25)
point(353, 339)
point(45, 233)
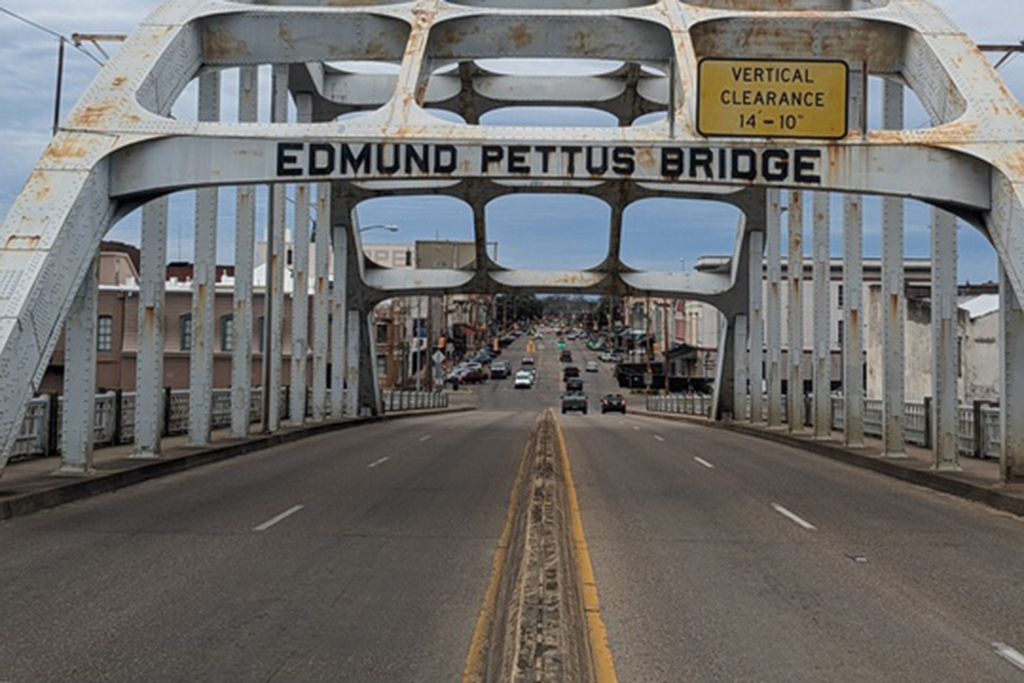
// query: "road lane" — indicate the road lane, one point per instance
point(700, 578)
point(378, 577)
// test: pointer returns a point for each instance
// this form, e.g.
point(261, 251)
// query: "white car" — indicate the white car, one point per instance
point(524, 379)
point(591, 366)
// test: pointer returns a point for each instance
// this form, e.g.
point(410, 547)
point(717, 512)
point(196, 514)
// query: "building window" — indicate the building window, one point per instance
point(839, 296)
point(408, 258)
point(382, 333)
point(227, 333)
point(260, 333)
point(186, 332)
point(382, 366)
point(105, 334)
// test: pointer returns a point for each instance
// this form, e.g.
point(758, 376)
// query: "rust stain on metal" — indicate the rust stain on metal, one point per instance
point(119, 81)
point(521, 35)
point(22, 242)
point(92, 115)
point(284, 32)
point(65, 149)
point(376, 49)
point(43, 191)
point(1015, 163)
point(220, 43)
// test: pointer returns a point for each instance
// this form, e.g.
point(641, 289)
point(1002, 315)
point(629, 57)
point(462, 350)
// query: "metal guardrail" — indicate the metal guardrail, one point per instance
point(114, 418)
point(977, 426)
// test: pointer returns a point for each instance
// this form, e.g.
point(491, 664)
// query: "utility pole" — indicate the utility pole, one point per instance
point(76, 40)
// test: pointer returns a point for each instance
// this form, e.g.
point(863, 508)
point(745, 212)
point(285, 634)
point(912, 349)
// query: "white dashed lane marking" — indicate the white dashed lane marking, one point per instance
point(796, 519)
point(274, 520)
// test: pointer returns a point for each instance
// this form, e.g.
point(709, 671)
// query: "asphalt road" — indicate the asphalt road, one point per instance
point(706, 566)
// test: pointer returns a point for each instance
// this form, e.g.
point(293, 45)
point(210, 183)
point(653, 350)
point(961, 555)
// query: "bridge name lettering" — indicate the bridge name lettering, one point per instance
point(409, 160)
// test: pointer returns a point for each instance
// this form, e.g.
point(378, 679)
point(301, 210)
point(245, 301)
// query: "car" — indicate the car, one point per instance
point(565, 357)
point(524, 380)
point(574, 384)
point(592, 366)
point(500, 369)
point(611, 403)
point(610, 357)
point(528, 360)
point(570, 371)
point(575, 401)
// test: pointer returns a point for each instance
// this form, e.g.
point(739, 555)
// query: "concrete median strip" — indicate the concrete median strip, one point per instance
point(541, 620)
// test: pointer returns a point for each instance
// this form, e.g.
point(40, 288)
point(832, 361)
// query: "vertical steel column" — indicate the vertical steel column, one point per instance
point(822, 317)
point(944, 341)
point(245, 228)
point(795, 311)
point(739, 368)
point(339, 318)
point(149, 360)
point(893, 299)
point(274, 297)
point(773, 228)
point(204, 280)
point(1011, 360)
point(352, 357)
point(80, 376)
point(321, 300)
point(853, 289)
point(756, 326)
point(300, 286)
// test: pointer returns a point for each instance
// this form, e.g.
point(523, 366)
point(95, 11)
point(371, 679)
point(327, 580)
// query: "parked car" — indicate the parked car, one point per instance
point(575, 402)
point(591, 366)
point(524, 379)
point(611, 403)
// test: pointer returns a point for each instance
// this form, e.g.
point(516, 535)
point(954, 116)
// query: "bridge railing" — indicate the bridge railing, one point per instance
point(977, 425)
point(114, 417)
point(395, 400)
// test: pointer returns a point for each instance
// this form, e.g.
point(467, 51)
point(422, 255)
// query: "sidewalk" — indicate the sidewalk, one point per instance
point(35, 484)
point(979, 479)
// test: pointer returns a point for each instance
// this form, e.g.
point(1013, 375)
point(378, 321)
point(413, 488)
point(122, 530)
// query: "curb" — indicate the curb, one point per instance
point(28, 503)
point(927, 478)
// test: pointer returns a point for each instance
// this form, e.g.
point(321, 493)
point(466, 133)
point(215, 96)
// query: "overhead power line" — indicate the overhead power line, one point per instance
point(50, 31)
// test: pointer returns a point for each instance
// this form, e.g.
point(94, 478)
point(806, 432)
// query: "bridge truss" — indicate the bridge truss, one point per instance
point(120, 150)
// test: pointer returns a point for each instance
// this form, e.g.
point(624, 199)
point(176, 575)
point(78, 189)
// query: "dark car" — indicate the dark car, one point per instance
point(613, 403)
point(472, 376)
point(570, 371)
point(566, 357)
point(500, 369)
point(574, 384)
point(575, 402)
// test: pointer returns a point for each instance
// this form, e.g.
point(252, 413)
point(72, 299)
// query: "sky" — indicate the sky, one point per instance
point(531, 231)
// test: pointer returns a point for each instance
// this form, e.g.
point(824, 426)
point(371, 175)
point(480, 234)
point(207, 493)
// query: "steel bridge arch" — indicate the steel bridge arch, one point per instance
point(119, 149)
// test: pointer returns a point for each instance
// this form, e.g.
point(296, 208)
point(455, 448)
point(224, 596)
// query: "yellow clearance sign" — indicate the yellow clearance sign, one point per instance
point(772, 98)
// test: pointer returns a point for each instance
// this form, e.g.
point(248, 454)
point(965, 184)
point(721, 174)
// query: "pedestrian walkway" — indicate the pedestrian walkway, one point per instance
point(36, 483)
point(978, 479)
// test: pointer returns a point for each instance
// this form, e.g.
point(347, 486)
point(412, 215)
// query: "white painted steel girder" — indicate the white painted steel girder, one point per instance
point(117, 149)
